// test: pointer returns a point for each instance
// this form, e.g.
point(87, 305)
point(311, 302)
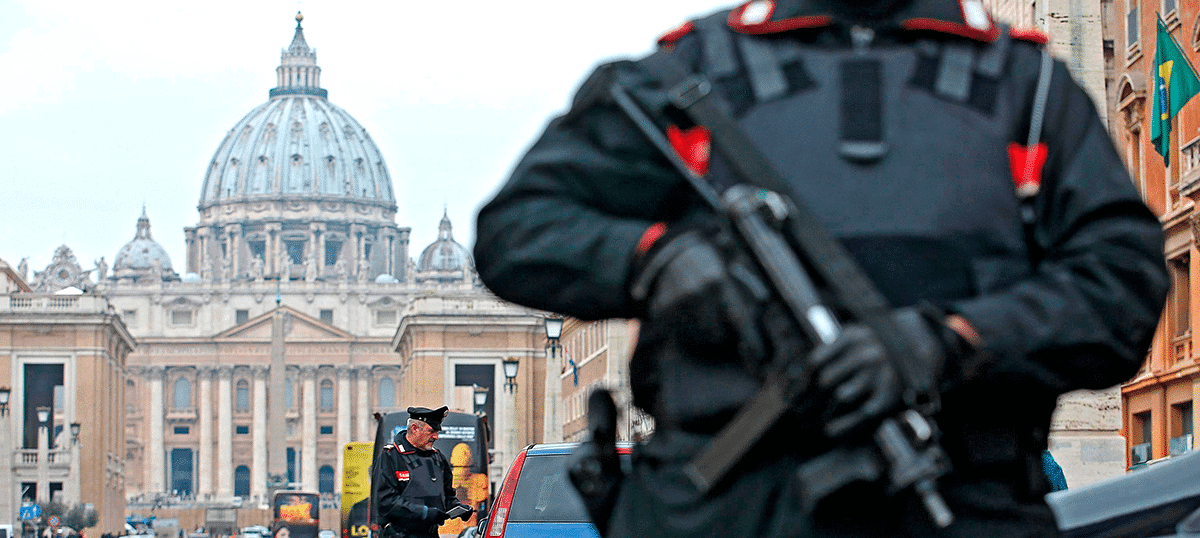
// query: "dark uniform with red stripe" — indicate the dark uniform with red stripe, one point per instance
point(407, 483)
point(916, 171)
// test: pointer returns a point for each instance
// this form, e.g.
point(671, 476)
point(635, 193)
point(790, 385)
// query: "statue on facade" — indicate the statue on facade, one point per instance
point(284, 265)
point(339, 269)
point(256, 268)
point(310, 266)
point(364, 269)
point(226, 268)
point(101, 270)
point(23, 268)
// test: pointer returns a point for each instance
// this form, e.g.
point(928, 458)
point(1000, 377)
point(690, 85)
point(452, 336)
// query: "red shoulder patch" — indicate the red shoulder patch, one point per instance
point(1029, 34)
point(671, 37)
point(402, 475)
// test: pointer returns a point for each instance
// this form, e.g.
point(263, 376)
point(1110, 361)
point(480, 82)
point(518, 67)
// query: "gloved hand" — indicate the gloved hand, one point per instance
point(860, 381)
point(437, 516)
point(698, 282)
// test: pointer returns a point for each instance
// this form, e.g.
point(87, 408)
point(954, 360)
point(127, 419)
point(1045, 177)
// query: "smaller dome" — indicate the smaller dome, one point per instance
point(386, 279)
point(143, 253)
point(191, 278)
point(445, 254)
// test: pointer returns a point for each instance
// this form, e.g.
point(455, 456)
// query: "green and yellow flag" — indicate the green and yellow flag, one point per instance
point(1175, 83)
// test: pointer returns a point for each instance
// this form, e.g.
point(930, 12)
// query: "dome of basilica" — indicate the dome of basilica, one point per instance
point(445, 254)
point(297, 145)
point(143, 253)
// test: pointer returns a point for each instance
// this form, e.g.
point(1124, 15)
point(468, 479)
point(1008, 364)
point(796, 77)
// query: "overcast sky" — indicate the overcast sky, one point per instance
point(105, 106)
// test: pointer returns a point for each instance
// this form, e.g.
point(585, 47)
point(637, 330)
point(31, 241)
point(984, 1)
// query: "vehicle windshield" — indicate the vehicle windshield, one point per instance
point(545, 494)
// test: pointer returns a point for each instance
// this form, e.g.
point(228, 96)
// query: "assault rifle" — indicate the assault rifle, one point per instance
point(904, 452)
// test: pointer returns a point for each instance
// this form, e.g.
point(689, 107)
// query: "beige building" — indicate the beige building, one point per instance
point(63, 353)
point(296, 221)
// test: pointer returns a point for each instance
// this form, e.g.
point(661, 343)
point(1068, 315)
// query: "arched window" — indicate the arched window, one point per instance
point(289, 401)
point(241, 481)
point(326, 395)
point(325, 479)
point(387, 393)
point(182, 394)
point(243, 395)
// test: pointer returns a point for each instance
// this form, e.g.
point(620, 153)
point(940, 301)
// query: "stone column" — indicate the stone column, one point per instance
point(364, 403)
point(156, 451)
point(204, 470)
point(258, 464)
point(343, 419)
point(309, 429)
point(225, 432)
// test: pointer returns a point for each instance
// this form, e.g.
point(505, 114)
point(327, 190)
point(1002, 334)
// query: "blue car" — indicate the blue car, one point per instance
point(537, 499)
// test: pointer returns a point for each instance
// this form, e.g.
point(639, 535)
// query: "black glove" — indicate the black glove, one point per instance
point(860, 381)
point(437, 516)
point(595, 467)
point(697, 282)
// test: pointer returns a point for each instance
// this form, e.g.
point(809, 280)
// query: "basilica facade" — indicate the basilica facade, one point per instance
point(297, 221)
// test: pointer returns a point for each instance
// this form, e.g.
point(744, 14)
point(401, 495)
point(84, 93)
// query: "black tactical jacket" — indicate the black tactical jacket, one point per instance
point(1069, 302)
point(407, 483)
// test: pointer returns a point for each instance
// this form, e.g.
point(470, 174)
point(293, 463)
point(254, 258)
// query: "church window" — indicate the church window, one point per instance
point(385, 317)
point(181, 394)
point(242, 429)
point(367, 248)
point(258, 249)
point(243, 395)
point(332, 250)
point(326, 430)
point(327, 316)
point(387, 393)
point(130, 317)
point(241, 316)
point(182, 430)
point(295, 251)
point(326, 395)
point(181, 317)
point(288, 394)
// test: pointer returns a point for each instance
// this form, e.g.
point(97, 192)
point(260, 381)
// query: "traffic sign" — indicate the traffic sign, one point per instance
point(30, 512)
point(53, 521)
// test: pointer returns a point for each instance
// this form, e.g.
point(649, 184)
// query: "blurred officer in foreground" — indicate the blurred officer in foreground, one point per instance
point(967, 174)
point(413, 482)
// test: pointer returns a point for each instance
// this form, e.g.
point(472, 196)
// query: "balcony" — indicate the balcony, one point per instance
point(25, 462)
point(1189, 166)
point(53, 303)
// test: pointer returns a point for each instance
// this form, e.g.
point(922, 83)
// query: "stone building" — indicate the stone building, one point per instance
point(296, 254)
point(63, 353)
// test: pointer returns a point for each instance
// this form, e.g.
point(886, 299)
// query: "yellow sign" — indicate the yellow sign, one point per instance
point(356, 489)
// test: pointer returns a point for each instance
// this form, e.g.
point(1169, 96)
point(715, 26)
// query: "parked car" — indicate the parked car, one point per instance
point(537, 499)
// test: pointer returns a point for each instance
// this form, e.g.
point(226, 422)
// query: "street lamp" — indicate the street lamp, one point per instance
point(552, 426)
point(4, 394)
point(511, 364)
point(75, 479)
point(481, 394)
point(43, 461)
point(75, 432)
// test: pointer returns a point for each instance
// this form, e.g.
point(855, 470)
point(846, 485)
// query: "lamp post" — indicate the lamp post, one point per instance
point(480, 397)
point(74, 480)
point(552, 426)
point(510, 366)
point(43, 456)
point(8, 503)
